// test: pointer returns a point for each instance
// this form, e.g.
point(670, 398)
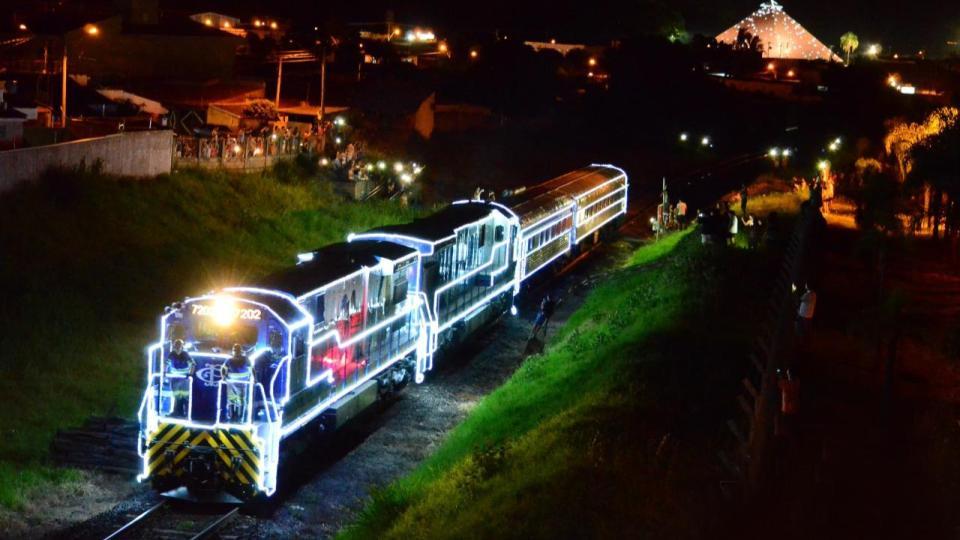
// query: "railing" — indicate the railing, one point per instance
point(760, 398)
point(240, 152)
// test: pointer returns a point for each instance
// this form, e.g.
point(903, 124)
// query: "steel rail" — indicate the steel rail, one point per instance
point(135, 522)
point(215, 525)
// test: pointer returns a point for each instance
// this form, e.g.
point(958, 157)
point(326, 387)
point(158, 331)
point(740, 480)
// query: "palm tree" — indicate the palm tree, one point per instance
point(849, 43)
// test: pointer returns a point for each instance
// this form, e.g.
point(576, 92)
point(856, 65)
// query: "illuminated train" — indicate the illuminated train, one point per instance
point(350, 323)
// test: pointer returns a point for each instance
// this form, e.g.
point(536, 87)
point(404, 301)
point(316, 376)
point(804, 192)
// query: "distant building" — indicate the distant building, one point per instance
point(780, 35)
point(415, 45)
point(173, 49)
point(562, 48)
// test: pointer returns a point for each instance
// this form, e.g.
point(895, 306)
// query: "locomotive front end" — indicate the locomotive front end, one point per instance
point(209, 419)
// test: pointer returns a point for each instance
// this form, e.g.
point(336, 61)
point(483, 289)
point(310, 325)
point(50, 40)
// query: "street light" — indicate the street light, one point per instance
point(22, 26)
point(874, 50)
point(473, 55)
point(592, 62)
point(774, 152)
point(823, 165)
point(786, 152)
point(705, 141)
point(91, 30)
point(684, 137)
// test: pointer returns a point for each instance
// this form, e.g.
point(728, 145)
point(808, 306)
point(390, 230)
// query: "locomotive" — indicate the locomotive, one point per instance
point(349, 323)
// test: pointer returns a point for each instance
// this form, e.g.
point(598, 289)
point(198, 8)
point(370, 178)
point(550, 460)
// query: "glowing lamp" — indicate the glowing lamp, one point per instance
point(786, 152)
point(705, 141)
point(684, 137)
point(340, 121)
point(91, 29)
point(236, 149)
point(823, 165)
point(273, 25)
point(790, 73)
point(398, 166)
point(324, 162)
point(22, 26)
point(406, 178)
point(208, 22)
point(224, 312)
point(592, 62)
point(774, 152)
point(381, 165)
point(513, 310)
point(443, 48)
point(226, 24)
point(473, 54)
point(338, 140)
point(873, 50)
point(771, 66)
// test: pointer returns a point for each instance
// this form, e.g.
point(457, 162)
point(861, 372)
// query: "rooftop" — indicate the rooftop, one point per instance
point(442, 224)
point(333, 262)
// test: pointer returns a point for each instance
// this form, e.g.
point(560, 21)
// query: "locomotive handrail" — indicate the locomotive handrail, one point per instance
point(266, 404)
point(248, 406)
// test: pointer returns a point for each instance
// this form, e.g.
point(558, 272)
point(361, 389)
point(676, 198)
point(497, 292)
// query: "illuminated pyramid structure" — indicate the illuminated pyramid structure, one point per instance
point(780, 35)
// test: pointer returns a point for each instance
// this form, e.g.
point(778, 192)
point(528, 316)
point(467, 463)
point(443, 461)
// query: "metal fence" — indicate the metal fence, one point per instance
point(240, 151)
point(759, 401)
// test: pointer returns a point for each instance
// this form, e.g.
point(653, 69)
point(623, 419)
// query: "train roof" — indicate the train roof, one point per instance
point(545, 198)
point(283, 306)
point(442, 224)
point(333, 262)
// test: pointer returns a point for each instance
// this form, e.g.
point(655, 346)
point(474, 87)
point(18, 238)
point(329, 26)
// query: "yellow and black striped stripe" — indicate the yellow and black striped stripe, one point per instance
point(180, 440)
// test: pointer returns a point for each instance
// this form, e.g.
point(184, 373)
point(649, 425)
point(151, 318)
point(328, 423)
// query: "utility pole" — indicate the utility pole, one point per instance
point(279, 78)
point(63, 90)
point(323, 79)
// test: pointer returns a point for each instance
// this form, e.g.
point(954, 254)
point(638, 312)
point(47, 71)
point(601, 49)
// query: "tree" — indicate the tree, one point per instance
point(849, 43)
point(747, 41)
point(937, 164)
point(261, 109)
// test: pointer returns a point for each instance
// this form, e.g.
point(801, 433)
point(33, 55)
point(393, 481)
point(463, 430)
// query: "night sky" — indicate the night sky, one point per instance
point(898, 24)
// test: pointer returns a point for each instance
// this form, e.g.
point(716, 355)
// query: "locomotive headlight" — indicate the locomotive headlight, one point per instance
point(223, 311)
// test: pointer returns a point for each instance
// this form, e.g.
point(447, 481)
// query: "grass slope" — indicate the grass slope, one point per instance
point(612, 431)
point(87, 264)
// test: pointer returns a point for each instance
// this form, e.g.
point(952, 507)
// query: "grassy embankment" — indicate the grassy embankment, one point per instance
point(613, 431)
point(87, 265)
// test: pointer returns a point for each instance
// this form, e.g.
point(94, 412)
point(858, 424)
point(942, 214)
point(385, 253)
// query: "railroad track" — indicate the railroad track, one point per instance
point(166, 520)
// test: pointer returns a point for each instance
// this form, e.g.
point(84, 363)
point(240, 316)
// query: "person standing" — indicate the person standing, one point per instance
point(180, 368)
point(682, 213)
point(237, 373)
point(808, 304)
point(547, 306)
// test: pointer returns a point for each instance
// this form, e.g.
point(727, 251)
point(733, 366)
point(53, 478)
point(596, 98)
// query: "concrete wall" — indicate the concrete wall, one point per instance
point(135, 153)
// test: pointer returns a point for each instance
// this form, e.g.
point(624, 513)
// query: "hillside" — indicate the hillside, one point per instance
point(88, 262)
point(613, 431)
